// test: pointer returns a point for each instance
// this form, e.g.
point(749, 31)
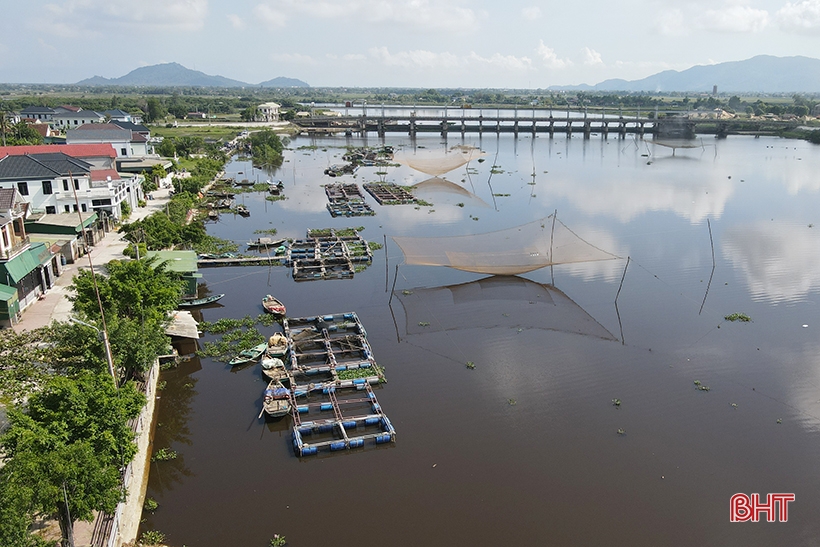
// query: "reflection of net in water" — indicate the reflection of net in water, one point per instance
point(438, 186)
point(434, 163)
point(493, 302)
point(506, 252)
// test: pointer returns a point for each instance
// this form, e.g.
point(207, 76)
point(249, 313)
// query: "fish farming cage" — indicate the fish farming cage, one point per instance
point(327, 254)
point(346, 200)
point(332, 345)
point(390, 194)
point(337, 419)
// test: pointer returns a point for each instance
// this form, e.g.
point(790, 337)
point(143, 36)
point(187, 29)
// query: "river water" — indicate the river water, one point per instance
point(528, 448)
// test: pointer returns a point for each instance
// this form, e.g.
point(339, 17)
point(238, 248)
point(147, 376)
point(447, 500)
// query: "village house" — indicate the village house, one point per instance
point(27, 269)
point(126, 142)
point(71, 119)
point(55, 182)
point(268, 112)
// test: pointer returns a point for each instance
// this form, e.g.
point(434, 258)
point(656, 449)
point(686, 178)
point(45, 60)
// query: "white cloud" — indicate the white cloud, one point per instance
point(801, 17)
point(549, 57)
point(424, 59)
point(591, 57)
point(735, 19)
point(531, 13)
point(732, 17)
point(450, 15)
point(180, 15)
point(236, 21)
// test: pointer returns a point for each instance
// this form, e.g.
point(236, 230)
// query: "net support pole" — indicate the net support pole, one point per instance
point(395, 277)
point(552, 236)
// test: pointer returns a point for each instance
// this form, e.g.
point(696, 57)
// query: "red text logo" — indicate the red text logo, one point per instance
point(744, 508)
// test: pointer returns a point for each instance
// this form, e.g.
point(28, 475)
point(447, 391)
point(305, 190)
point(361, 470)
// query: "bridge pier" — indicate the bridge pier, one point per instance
point(569, 129)
point(552, 127)
point(587, 129)
point(515, 128)
point(605, 129)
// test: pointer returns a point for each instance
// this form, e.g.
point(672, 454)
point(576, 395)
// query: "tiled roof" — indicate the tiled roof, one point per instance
point(90, 150)
point(116, 112)
point(132, 126)
point(70, 108)
point(98, 127)
point(103, 174)
point(7, 198)
point(37, 110)
point(41, 166)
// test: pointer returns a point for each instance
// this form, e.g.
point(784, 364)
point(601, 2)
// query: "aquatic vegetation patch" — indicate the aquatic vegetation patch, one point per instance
point(742, 317)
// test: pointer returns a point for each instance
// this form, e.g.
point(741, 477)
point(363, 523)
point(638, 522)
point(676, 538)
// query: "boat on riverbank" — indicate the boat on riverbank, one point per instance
point(200, 301)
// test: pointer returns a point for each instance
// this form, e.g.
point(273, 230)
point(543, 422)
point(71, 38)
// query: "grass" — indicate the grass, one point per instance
point(215, 132)
point(164, 455)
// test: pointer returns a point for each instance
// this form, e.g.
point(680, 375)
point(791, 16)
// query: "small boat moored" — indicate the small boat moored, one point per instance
point(249, 355)
point(200, 301)
point(274, 369)
point(276, 400)
point(273, 305)
point(277, 345)
point(242, 210)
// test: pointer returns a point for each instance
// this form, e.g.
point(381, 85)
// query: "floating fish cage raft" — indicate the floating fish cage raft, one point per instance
point(331, 372)
point(327, 254)
point(390, 194)
point(346, 200)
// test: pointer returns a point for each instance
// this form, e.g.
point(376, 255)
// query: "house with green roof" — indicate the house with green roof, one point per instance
point(183, 263)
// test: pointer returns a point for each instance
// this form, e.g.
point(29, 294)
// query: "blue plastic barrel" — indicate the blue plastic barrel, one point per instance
point(349, 424)
point(348, 316)
point(338, 445)
point(371, 421)
point(340, 368)
point(359, 381)
point(305, 430)
point(376, 407)
point(366, 364)
point(302, 409)
point(371, 395)
point(326, 406)
point(328, 318)
point(355, 443)
point(383, 438)
point(324, 428)
point(308, 450)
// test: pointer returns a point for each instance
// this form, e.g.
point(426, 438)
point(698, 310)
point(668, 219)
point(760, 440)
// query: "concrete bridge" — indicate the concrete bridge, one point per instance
point(661, 124)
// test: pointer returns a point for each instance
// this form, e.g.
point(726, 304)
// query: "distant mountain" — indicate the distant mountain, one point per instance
point(761, 74)
point(174, 74)
point(281, 81)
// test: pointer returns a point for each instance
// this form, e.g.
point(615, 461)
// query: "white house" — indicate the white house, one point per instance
point(126, 143)
point(268, 112)
point(69, 119)
point(57, 183)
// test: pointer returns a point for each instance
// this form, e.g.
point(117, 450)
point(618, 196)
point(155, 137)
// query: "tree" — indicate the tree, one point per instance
point(154, 110)
point(23, 365)
point(248, 114)
point(65, 453)
point(167, 148)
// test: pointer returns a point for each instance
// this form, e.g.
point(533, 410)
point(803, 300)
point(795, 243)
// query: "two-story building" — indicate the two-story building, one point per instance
point(268, 112)
point(57, 183)
point(126, 143)
point(26, 270)
point(41, 113)
point(70, 120)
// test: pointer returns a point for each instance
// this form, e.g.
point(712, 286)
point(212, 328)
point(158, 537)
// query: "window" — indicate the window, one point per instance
point(83, 207)
point(67, 209)
point(46, 186)
point(65, 185)
point(22, 187)
point(76, 184)
point(51, 210)
point(100, 202)
point(74, 207)
point(123, 152)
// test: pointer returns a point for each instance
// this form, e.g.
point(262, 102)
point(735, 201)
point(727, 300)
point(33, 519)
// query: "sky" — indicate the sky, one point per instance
point(398, 43)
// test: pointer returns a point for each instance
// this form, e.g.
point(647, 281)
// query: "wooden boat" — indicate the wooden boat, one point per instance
point(213, 214)
point(272, 305)
point(265, 242)
point(244, 182)
point(276, 400)
point(249, 355)
point(242, 210)
point(274, 369)
point(276, 188)
point(277, 345)
point(200, 301)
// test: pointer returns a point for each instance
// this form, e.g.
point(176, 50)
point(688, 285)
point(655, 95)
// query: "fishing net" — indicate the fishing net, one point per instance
point(513, 251)
point(493, 302)
point(435, 163)
point(440, 186)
